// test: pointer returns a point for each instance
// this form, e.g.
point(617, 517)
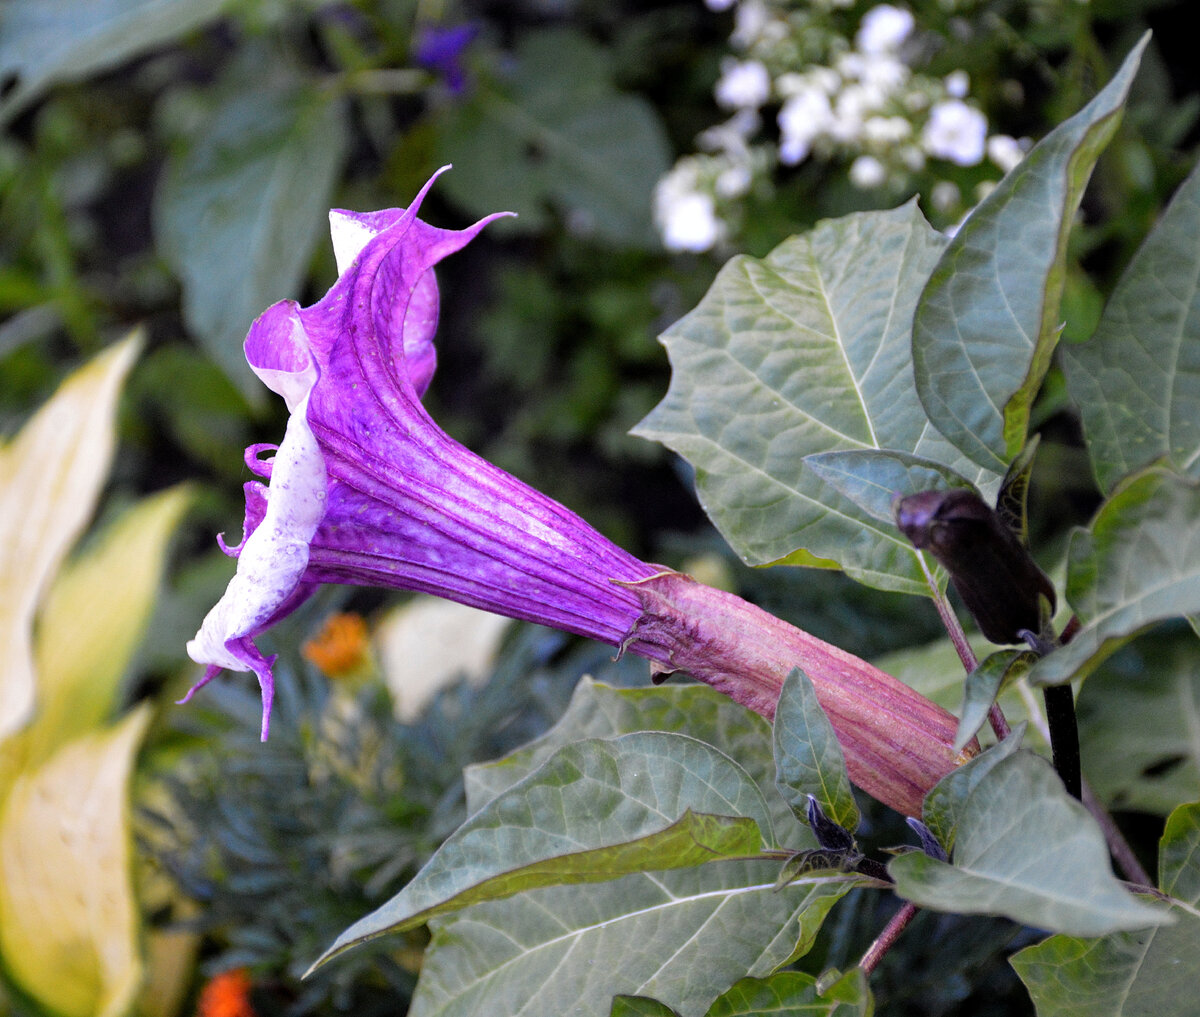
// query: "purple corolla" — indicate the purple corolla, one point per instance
point(366, 489)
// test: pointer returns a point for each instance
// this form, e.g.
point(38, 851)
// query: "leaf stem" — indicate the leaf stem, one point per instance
point(887, 938)
point(958, 637)
point(874, 869)
point(950, 620)
point(1118, 846)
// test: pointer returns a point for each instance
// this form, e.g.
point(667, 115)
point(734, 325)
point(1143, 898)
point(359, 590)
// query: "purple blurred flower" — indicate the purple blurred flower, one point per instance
point(440, 50)
point(366, 489)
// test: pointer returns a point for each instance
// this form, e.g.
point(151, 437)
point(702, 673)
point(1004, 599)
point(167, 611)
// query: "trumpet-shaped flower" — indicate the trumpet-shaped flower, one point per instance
point(366, 489)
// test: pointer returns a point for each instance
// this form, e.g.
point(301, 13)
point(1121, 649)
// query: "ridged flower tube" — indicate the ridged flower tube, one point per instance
point(366, 489)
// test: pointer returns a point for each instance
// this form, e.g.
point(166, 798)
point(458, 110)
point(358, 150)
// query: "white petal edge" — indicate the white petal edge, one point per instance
point(273, 558)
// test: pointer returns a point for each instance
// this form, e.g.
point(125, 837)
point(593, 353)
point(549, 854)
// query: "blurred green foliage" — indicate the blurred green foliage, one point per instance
point(172, 169)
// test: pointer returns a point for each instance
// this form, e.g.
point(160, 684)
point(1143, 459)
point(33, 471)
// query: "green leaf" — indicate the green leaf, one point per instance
point(1154, 971)
point(1139, 715)
point(803, 352)
point(1137, 564)
point(1026, 850)
point(556, 132)
point(69, 918)
point(808, 756)
point(242, 206)
point(51, 473)
point(794, 994)
point(640, 1006)
point(989, 319)
point(1136, 381)
point(946, 802)
point(982, 687)
point(47, 41)
point(872, 479)
point(602, 711)
point(594, 811)
point(682, 937)
point(95, 616)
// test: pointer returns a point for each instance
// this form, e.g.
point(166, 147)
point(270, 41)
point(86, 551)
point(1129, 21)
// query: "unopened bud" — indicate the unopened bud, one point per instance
point(991, 569)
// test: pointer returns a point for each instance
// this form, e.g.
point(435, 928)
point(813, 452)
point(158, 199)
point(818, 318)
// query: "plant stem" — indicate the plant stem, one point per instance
point(874, 869)
point(1064, 736)
point(958, 637)
point(950, 621)
point(887, 938)
point(1118, 846)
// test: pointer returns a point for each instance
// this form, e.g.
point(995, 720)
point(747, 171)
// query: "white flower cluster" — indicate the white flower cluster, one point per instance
point(858, 99)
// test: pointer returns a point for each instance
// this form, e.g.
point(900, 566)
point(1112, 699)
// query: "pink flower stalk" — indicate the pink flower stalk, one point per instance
point(366, 489)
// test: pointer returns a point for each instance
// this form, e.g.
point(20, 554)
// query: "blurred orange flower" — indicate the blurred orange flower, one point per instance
point(226, 995)
point(342, 648)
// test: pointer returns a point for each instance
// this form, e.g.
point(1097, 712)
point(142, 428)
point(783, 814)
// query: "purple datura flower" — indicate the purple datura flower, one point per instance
point(366, 489)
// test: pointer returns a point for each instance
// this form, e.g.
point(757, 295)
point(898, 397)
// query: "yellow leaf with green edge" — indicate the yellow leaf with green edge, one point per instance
point(50, 476)
point(93, 620)
point(69, 926)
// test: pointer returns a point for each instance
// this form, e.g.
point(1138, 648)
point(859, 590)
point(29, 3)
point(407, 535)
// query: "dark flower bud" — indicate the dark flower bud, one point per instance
point(990, 568)
point(830, 835)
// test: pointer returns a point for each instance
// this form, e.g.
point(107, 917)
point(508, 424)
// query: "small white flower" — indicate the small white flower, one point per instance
point(886, 130)
point(732, 135)
point(749, 23)
point(853, 106)
point(743, 85)
point(957, 83)
point(983, 189)
point(1005, 151)
point(885, 73)
point(719, 5)
point(945, 195)
point(686, 217)
point(734, 181)
point(883, 29)
point(866, 172)
point(802, 119)
point(955, 132)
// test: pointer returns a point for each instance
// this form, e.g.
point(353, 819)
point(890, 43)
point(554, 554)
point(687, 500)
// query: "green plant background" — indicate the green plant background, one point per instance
point(173, 172)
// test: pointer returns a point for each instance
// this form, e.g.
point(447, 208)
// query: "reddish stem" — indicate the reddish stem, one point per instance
point(887, 938)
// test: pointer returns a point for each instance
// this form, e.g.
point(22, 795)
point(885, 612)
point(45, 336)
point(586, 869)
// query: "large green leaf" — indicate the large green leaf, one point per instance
point(1152, 973)
point(808, 756)
point(602, 711)
point(69, 919)
point(1139, 723)
point(562, 949)
point(242, 206)
point(45, 41)
point(1137, 564)
point(95, 616)
point(50, 477)
point(795, 994)
point(594, 811)
point(555, 132)
point(1026, 850)
point(945, 805)
point(989, 318)
point(1137, 380)
point(682, 937)
point(805, 351)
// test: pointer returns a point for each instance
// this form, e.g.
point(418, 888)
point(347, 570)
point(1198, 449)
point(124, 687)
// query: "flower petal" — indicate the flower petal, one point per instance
point(271, 562)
